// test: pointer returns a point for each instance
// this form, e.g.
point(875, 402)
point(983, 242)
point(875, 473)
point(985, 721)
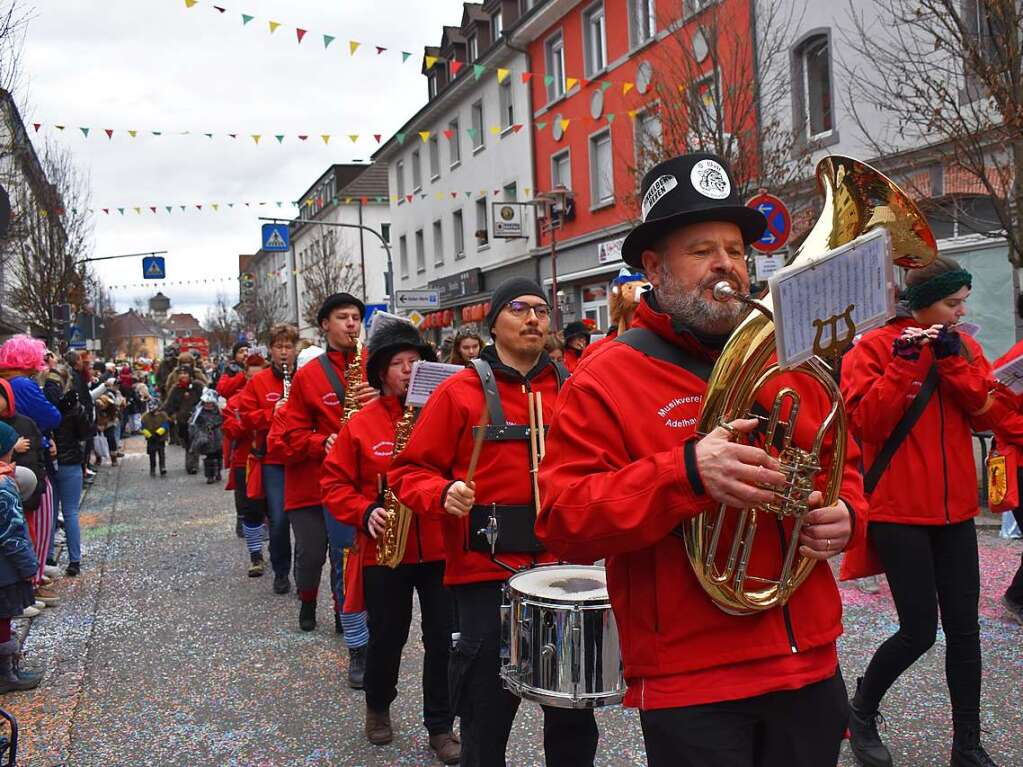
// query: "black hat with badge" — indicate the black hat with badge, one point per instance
point(688, 190)
point(389, 337)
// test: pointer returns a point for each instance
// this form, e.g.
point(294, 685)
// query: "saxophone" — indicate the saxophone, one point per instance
point(353, 380)
point(391, 544)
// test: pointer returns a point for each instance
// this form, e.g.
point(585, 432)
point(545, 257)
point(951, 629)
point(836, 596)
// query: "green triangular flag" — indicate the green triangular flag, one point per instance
point(471, 132)
point(169, 208)
point(121, 211)
point(246, 19)
point(548, 80)
point(468, 195)
point(605, 85)
point(327, 40)
point(405, 56)
point(541, 125)
point(478, 70)
point(85, 132)
point(401, 137)
point(610, 117)
point(280, 138)
point(278, 205)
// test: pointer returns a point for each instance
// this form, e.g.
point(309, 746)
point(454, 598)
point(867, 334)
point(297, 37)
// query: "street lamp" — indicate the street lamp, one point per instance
point(557, 197)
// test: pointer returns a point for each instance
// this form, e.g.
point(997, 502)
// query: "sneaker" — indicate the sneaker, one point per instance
point(282, 584)
point(210, 480)
point(1015, 609)
point(39, 605)
point(869, 585)
point(447, 747)
point(51, 571)
point(307, 616)
point(163, 472)
point(47, 596)
point(73, 569)
point(357, 667)
point(45, 580)
point(256, 566)
point(30, 612)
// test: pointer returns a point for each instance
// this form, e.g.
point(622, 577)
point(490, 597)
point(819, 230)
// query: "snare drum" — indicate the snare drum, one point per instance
point(560, 642)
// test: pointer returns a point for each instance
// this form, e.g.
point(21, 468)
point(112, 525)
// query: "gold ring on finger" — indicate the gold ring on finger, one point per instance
point(827, 544)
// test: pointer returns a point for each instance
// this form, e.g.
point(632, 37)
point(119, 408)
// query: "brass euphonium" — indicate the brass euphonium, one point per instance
point(391, 544)
point(353, 381)
point(857, 199)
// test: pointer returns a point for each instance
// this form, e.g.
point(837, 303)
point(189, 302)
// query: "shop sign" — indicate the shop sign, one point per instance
point(467, 283)
point(609, 252)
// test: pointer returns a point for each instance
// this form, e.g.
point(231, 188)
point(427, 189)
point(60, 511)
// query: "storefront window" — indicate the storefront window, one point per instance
point(594, 304)
point(990, 304)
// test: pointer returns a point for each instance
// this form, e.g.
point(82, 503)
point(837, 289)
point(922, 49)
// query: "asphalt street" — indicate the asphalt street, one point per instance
point(163, 652)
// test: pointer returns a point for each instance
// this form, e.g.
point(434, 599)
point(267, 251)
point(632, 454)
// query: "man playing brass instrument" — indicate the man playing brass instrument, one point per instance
point(625, 467)
point(352, 484)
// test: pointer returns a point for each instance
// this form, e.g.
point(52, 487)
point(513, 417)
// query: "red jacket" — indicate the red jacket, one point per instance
point(229, 385)
point(1007, 420)
point(932, 479)
point(237, 438)
point(620, 475)
point(256, 407)
point(352, 475)
point(572, 358)
point(439, 450)
point(313, 413)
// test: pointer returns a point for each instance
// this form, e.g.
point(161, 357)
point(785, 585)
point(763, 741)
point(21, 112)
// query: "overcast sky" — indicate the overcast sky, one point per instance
point(157, 65)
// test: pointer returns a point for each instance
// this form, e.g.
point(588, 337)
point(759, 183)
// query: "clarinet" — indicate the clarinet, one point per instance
point(287, 381)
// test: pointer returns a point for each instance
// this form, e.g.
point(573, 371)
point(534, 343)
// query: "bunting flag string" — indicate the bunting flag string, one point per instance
point(375, 50)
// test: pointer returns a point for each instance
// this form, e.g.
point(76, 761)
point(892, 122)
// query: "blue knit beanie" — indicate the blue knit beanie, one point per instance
point(8, 436)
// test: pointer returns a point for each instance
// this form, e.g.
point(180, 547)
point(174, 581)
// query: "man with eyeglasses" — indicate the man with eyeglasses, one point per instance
point(431, 476)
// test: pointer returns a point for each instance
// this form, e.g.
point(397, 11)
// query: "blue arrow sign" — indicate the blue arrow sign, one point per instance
point(276, 237)
point(154, 268)
point(372, 309)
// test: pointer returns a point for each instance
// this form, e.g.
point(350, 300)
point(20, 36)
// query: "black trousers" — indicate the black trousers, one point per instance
point(251, 510)
point(929, 567)
point(158, 451)
point(389, 607)
point(487, 710)
point(1015, 590)
point(791, 728)
point(212, 463)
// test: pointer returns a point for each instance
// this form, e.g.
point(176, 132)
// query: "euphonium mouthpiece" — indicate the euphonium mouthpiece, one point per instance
point(725, 292)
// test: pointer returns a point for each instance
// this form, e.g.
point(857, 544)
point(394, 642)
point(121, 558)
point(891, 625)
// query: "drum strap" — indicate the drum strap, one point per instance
point(499, 430)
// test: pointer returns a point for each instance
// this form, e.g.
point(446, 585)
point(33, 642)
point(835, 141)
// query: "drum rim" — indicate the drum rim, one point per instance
point(559, 700)
point(518, 595)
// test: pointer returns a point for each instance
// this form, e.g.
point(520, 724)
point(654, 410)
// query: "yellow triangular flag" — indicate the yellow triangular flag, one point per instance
point(190, 3)
point(632, 113)
point(526, 191)
point(354, 137)
point(216, 207)
point(430, 61)
point(353, 46)
point(564, 124)
point(501, 74)
point(326, 138)
point(256, 137)
point(439, 195)
point(273, 26)
point(138, 211)
point(570, 83)
point(133, 133)
point(424, 135)
point(495, 129)
point(626, 87)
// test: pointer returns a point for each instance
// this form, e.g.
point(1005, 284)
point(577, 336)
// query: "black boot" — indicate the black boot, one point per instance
point(966, 748)
point(11, 676)
point(863, 736)
point(307, 616)
point(238, 528)
point(356, 667)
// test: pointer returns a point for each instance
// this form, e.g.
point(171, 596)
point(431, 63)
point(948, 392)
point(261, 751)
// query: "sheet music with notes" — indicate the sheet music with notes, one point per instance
point(1011, 374)
point(427, 376)
point(811, 301)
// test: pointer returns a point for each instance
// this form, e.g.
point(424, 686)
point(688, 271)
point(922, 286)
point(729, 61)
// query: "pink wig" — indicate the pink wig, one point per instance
point(23, 353)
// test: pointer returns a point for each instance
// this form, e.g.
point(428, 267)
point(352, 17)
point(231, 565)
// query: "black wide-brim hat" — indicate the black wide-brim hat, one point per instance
point(685, 190)
point(389, 339)
point(336, 301)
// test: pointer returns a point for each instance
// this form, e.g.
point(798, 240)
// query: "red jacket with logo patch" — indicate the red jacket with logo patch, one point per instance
point(351, 477)
point(256, 407)
point(439, 450)
point(313, 413)
point(237, 438)
point(620, 474)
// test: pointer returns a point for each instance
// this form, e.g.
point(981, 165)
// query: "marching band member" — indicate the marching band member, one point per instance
point(1012, 439)
point(577, 339)
point(231, 381)
point(312, 419)
point(430, 476)
point(917, 384)
point(256, 404)
point(624, 468)
point(352, 483)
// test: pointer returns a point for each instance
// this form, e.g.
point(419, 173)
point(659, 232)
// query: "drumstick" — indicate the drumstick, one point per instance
point(477, 447)
point(540, 436)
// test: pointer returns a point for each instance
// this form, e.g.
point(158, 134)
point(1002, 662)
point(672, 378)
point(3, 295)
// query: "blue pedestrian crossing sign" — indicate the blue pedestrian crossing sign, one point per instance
point(275, 237)
point(76, 339)
point(154, 268)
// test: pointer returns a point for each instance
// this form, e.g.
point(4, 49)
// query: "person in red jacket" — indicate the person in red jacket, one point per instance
point(429, 476)
point(232, 380)
point(251, 511)
point(311, 421)
point(353, 477)
point(625, 467)
point(922, 508)
point(257, 403)
point(1007, 439)
point(577, 339)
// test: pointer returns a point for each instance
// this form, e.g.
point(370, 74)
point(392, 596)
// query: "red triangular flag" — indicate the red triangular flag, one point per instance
point(152, 208)
point(364, 200)
point(109, 132)
point(303, 138)
point(299, 33)
point(526, 76)
point(408, 197)
point(107, 211)
point(220, 8)
point(380, 50)
point(37, 126)
point(455, 66)
point(377, 137)
point(516, 127)
point(449, 134)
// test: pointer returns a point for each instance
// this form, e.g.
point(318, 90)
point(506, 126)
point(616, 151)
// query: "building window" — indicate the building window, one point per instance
point(692, 7)
point(434, 158)
point(473, 48)
point(648, 140)
point(399, 178)
point(642, 21)
point(458, 232)
point(403, 255)
point(385, 232)
point(417, 172)
point(561, 169)
point(496, 26)
point(481, 222)
point(477, 126)
point(594, 39)
point(455, 144)
point(420, 255)
point(510, 192)
point(438, 244)
point(507, 105)
point(602, 189)
point(815, 60)
point(704, 98)
point(554, 56)
point(432, 85)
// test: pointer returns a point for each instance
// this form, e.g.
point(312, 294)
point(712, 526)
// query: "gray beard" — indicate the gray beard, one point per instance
point(690, 308)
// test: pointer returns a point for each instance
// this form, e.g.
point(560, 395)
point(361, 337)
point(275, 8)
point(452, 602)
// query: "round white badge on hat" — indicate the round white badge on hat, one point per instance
point(710, 180)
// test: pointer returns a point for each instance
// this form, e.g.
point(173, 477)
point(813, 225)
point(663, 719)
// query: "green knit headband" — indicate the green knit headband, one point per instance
point(936, 288)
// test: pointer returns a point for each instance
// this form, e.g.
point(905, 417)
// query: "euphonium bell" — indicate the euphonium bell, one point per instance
point(742, 384)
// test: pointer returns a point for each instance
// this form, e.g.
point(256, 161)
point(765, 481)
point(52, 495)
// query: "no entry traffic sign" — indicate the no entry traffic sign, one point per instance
point(779, 222)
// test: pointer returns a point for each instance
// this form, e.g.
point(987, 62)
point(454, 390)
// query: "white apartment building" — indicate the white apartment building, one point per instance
point(468, 148)
point(331, 257)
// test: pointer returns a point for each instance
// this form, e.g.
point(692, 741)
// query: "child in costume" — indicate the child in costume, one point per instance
point(155, 425)
point(206, 431)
